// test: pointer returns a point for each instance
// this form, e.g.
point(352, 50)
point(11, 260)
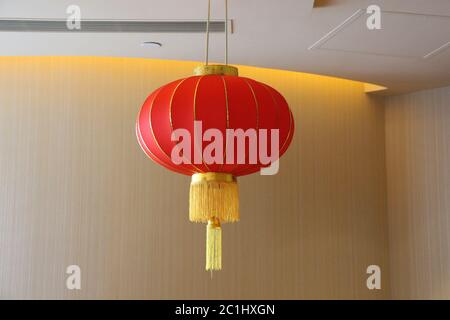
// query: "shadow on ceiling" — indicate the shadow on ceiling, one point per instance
point(323, 3)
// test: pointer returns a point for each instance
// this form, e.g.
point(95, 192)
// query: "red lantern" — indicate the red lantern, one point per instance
point(218, 101)
point(218, 98)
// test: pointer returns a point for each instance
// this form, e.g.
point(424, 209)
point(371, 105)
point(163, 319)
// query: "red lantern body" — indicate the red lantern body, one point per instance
point(218, 101)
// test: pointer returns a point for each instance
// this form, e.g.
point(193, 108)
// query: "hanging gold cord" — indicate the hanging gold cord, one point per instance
point(226, 32)
point(207, 33)
point(208, 21)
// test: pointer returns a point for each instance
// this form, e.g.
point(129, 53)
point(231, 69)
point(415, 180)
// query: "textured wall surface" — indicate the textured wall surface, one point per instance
point(418, 175)
point(75, 188)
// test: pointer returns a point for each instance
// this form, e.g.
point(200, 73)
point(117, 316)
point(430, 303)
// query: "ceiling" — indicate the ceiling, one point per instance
point(411, 51)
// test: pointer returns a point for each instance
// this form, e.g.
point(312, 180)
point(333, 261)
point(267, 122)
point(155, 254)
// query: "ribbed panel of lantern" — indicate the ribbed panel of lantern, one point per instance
point(190, 126)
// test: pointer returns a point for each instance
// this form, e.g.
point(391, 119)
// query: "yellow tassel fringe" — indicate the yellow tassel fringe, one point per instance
point(213, 195)
point(213, 245)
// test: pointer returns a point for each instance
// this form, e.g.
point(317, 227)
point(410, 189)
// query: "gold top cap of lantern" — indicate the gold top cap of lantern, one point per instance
point(217, 69)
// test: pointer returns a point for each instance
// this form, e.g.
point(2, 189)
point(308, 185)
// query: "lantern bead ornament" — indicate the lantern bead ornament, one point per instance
point(214, 98)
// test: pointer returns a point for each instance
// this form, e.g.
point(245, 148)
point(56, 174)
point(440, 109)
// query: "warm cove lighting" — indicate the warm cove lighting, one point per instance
point(153, 71)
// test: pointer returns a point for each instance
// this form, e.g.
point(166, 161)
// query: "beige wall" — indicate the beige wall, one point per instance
point(418, 176)
point(76, 189)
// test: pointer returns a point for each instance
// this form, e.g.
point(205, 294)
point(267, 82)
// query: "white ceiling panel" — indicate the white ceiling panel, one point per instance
point(267, 33)
point(402, 34)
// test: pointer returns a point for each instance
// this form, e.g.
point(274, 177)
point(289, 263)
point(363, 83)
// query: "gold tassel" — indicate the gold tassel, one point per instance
point(213, 195)
point(213, 199)
point(213, 245)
